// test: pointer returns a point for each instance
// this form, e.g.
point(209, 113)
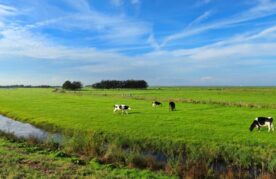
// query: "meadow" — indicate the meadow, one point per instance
point(209, 127)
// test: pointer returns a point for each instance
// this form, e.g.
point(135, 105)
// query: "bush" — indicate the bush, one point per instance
point(111, 84)
point(75, 85)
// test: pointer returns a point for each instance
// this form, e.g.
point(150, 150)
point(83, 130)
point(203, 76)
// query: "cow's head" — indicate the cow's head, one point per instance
point(253, 125)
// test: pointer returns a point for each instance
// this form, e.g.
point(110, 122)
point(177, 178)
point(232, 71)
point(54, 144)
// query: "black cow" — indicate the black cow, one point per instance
point(262, 122)
point(172, 106)
point(156, 103)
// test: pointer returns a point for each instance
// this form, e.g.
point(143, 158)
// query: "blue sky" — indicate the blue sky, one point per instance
point(180, 42)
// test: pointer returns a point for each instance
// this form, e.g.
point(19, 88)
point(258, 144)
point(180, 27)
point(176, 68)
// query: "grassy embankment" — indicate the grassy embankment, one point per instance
point(23, 160)
point(209, 127)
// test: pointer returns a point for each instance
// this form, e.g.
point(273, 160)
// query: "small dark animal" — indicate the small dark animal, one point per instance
point(156, 103)
point(122, 107)
point(262, 122)
point(172, 106)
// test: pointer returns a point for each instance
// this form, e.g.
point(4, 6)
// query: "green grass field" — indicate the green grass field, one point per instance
point(212, 121)
point(89, 111)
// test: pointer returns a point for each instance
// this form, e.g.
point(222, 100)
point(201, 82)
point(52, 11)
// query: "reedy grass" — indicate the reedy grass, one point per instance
point(23, 159)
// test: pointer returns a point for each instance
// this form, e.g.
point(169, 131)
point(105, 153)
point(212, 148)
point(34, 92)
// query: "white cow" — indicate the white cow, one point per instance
point(122, 107)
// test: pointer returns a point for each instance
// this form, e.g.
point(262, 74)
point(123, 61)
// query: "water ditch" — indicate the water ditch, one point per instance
point(27, 131)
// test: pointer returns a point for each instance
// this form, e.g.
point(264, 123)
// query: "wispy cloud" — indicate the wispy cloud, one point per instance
point(236, 47)
point(152, 41)
point(263, 8)
point(115, 29)
point(189, 29)
point(199, 19)
point(7, 10)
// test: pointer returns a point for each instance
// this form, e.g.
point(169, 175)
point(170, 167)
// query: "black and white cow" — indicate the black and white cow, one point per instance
point(156, 103)
point(122, 107)
point(172, 105)
point(262, 122)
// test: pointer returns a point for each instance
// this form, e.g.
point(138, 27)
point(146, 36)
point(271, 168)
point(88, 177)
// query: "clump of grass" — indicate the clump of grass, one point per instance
point(115, 155)
point(58, 90)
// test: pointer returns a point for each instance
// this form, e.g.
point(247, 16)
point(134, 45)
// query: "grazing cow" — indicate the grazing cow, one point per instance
point(122, 107)
point(172, 106)
point(261, 122)
point(156, 103)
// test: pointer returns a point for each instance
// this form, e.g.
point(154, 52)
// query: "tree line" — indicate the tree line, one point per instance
point(27, 86)
point(113, 84)
point(104, 84)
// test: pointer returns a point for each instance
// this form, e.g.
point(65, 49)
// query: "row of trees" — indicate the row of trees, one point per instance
point(110, 84)
point(105, 84)
point(27, 86)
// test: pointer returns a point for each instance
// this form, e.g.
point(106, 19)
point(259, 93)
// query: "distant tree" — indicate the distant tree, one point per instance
point(67, 85)
point(109, 84)
point(75, 85)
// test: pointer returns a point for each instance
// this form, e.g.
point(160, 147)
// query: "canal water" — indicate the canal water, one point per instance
point(25, 130)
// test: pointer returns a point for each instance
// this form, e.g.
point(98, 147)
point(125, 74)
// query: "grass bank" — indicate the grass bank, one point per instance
point(24, 159)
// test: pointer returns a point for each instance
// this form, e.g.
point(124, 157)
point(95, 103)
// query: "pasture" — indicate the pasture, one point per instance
point(209, 123)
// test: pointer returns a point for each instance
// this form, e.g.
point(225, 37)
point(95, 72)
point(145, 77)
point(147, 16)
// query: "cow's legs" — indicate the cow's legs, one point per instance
point(124, 112)
point(268, 128)
point(272, 127)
